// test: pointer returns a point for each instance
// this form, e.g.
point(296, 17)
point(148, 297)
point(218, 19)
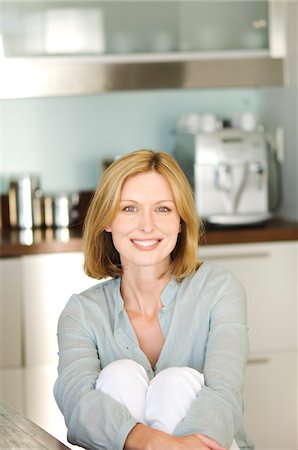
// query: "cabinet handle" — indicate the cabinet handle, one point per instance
point(260, 360)
point(236, 256)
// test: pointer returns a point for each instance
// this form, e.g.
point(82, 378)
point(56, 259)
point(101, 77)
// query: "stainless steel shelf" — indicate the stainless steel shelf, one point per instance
point(55, 76)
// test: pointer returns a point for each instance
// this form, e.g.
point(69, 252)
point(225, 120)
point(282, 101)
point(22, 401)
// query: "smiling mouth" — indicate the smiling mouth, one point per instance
point(148, 243)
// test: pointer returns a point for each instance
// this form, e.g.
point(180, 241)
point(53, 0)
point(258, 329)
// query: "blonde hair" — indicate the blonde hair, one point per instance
point(101, 258)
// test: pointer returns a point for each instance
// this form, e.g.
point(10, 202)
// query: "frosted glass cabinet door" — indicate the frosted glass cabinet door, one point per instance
point(48, 282)
point(223, 25)
point(115, 27)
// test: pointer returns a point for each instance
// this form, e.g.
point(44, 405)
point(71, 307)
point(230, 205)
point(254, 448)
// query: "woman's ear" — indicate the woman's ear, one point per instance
point(108, 229)
point(180, 225)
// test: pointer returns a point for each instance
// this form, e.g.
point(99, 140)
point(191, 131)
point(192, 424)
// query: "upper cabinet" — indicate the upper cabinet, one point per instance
point(107, 45)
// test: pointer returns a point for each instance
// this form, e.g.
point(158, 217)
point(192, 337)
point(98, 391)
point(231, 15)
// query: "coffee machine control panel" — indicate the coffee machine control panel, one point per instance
point(229, 144)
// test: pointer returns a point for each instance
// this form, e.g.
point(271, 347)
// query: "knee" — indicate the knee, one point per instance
point(121, 370)
point(170, 396)
point(176, 377)
point(123, 366)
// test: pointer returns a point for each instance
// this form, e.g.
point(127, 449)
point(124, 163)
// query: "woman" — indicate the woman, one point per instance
point(153, 357)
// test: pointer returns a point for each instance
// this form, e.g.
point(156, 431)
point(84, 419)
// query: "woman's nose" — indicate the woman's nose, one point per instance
point(147, 221)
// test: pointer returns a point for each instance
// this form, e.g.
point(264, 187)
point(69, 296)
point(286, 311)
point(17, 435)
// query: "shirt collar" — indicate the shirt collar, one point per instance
point(170, 291)
point(119, 304)
point(167, 295)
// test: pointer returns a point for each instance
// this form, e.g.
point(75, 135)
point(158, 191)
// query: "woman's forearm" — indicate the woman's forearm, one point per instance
point(142, 437)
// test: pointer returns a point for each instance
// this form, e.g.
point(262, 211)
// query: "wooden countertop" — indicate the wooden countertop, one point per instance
point(274, 230)
point(28, 242)
point(18, 432)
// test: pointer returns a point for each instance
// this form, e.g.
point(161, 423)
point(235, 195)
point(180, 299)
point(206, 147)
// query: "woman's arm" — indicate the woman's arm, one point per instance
point(217, 411)
point(142, 437)
point(94, 420)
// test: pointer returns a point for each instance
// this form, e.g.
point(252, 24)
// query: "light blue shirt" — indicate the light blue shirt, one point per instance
point(203, 320)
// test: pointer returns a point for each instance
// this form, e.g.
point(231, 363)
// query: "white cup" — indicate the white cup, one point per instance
point(208, 123)
point(246, 121)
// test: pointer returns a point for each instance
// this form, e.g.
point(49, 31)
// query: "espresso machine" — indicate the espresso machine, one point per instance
point(234, 174)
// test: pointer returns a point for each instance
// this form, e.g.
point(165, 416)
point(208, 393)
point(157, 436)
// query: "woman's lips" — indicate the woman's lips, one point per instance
point(145, 244)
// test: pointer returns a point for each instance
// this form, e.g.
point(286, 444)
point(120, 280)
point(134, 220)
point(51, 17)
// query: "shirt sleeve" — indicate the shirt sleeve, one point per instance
point(217, 411)
point(94, 420)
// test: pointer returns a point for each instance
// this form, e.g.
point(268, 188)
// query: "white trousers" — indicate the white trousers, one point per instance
point(160, 403)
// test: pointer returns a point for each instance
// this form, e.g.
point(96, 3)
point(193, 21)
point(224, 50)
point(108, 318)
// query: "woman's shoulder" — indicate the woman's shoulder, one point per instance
point(99, 286)
point(93, 309)
point(215, 276)
point(212, 284)
point(98, 294)
point(214, 267)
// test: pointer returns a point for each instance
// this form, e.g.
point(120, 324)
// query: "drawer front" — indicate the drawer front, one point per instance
point(268, 273)
point(270, 400)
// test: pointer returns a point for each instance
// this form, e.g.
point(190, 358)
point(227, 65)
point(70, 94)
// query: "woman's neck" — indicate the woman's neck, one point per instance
point(141, 293)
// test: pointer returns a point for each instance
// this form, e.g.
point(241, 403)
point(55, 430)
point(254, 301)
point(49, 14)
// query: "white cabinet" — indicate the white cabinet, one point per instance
point(11, 388)
point(270, 400)
point(269, 273)
point(34, 290)
point(10, 312)
point(40, 405)
point(48, 281)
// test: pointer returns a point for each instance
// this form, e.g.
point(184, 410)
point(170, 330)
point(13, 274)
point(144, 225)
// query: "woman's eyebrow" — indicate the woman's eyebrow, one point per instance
point(136, 201)
point(163, 201)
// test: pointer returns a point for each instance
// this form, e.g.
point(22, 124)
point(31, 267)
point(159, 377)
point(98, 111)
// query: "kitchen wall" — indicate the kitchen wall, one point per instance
point(64, 139)
point(280, 106)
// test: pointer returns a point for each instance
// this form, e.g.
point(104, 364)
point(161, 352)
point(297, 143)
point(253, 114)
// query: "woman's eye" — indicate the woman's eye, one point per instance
point(129, 208)
point(163, 209)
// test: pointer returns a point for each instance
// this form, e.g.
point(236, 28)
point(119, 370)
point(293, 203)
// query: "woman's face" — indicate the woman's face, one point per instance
point(146, 227)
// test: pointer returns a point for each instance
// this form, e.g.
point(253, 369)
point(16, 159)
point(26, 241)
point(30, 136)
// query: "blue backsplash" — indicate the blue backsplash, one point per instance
point(64, 139)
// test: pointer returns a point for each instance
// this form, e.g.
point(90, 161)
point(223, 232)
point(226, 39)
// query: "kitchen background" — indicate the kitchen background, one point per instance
point(64, 139)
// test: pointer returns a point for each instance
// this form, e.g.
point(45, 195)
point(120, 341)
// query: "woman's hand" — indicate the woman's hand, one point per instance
point(198, 441)
point(142, 437)
point(212, 444)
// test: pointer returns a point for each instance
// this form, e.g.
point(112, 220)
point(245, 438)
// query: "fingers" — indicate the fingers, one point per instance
point(213, 445)
point(194, 442)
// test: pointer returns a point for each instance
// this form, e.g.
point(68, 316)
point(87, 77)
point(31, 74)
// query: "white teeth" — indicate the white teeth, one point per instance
point(146, 243)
